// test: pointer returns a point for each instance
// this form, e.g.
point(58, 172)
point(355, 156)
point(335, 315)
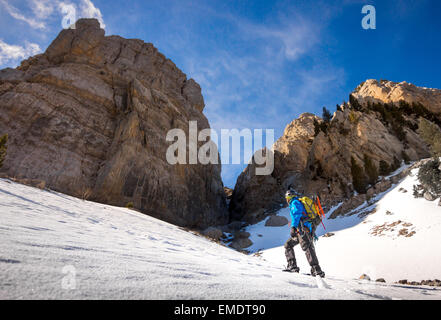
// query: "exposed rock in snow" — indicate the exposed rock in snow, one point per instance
point(276, 221)
point(428, 196)
point(213, 233)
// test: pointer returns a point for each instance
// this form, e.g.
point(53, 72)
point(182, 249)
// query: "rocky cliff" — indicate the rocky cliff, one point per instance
point(393, 92)
point(253, 194)
point(90, 117)
point(374, 133)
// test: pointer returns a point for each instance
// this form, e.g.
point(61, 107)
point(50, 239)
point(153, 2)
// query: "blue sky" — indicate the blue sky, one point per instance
point(260, 63)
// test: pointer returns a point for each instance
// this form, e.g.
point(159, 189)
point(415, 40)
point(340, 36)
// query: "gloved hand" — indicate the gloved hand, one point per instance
point(301, 229)
point(293, 232)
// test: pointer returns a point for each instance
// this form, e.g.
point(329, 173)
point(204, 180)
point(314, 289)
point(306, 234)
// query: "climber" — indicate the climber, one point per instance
point(303, 232)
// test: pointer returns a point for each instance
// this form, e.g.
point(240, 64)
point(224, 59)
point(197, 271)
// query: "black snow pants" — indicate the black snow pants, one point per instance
point(305, 238)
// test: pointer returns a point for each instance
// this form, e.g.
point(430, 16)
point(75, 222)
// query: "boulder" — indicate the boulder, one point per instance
point(228, 192)
point(276, 221)
point(383, 185)
point(370, 193)
point(428, 196)
point(233, 226)
point(241, 243)
point(349, 205)
point(241, 234)
point(213, 233)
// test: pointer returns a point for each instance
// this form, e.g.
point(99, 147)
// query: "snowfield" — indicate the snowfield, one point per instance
point(54, 246)
point(368, 240)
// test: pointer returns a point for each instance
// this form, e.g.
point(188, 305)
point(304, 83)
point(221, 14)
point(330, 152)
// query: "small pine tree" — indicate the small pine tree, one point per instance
point(371, 170)
point(316, 128)
point(326, 115)
point(405, 107)
point(358, 177)
point(354, 103)
point(3, 148)
point(324, 126)
point(418, 191)
point(320, 126)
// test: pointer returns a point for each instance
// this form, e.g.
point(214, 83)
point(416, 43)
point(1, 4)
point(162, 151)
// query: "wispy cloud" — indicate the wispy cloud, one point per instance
point(43, 19)
point(14, 53)
point(293, 36)
point(42, 10)
point(16, 14)
point(256, 89)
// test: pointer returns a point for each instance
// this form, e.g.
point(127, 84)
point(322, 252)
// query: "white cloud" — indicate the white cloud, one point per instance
point(42, 10)
point(294, 36)
point(13, 53)
point(16, 14)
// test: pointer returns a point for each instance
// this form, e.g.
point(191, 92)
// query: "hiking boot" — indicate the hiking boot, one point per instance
point(316, 271)
point(292, 267)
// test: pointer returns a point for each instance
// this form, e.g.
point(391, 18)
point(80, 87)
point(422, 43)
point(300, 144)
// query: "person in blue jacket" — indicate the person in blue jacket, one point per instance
point(301, 232)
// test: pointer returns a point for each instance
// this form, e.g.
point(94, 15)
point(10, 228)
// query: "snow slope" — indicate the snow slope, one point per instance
point(368, 242)
point(53, 246)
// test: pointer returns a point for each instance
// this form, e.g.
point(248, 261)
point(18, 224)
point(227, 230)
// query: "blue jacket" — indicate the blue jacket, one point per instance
point(298, 213)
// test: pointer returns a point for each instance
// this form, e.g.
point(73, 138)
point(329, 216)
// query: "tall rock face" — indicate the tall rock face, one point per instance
point(318, 161)
point(90, 117)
